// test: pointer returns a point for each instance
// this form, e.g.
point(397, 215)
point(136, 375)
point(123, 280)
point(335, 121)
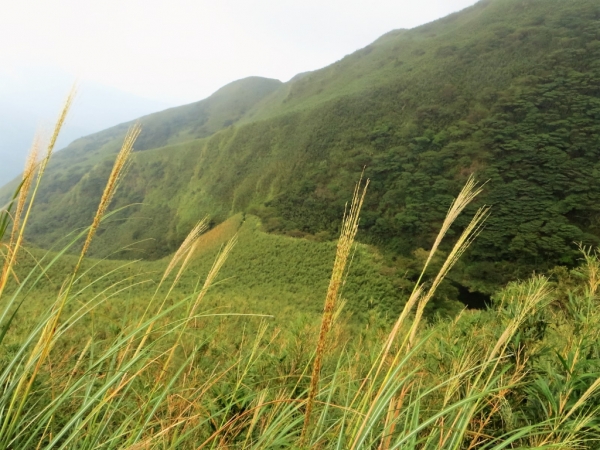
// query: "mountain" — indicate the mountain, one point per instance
point(31, 98)
point(507, 89)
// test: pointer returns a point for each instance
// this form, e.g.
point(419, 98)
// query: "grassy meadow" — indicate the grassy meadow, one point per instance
point(242, 339)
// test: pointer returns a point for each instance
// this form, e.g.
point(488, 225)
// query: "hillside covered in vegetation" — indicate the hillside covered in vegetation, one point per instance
point(279, 265)
point(506, 89)
point(183, 353)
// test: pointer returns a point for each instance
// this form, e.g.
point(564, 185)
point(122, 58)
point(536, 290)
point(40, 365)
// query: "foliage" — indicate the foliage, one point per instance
point(196, 352)
point(134, 368)
point(506, 88)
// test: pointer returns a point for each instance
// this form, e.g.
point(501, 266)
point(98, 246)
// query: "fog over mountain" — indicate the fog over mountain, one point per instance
point(30, 101)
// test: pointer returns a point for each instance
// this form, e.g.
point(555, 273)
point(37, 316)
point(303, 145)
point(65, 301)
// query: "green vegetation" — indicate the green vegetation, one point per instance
point(90, 358)
point(506, 89)
point(217, 338)
point(277, 275)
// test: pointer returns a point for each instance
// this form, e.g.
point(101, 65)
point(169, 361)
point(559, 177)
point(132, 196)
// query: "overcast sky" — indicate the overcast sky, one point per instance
point(180, 51)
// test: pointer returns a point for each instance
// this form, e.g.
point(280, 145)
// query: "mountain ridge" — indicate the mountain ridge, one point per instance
point(504, 89)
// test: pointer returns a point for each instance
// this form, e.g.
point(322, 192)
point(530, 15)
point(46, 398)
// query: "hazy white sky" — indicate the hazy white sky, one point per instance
point(181, 51)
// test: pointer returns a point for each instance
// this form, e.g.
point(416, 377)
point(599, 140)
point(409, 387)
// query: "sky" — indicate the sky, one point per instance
point(180, 51)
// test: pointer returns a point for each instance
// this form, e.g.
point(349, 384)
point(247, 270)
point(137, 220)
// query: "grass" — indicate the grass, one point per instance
point(344, 248)
point(171, 370)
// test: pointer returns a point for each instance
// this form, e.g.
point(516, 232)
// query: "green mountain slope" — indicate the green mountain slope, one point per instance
point(197, 120)
point(265, 273)
point(507, 89)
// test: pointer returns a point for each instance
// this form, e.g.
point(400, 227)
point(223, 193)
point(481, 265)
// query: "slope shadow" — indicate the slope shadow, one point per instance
point(473, 300)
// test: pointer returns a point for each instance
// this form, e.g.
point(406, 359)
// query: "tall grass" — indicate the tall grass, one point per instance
point(344, 247)
point(523, 374)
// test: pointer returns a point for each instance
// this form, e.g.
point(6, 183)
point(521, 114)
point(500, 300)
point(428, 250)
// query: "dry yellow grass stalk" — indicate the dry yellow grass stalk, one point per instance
point(414, 297)
point(534, 296)
point(344, 247)
point(214, 271)
point(184, 264)
point(28, 174)
point(116, 175)
point(185, 251)
point(118, 170)
point(17, 241)
point(185, 246)
point(212, 274)
point(47, 336)
point(538, 293)
point(469, 191)
point(592, 269)
point(394, 409)
point(260, 401)
point(466, 196)
point(463, 242)
point(59, 124)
